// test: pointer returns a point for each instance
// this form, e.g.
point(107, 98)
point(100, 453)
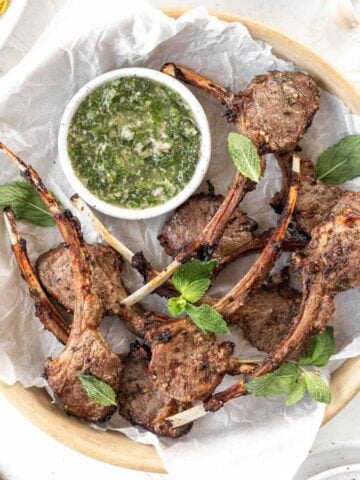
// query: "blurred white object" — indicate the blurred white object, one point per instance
point(337, 460)
point(345, 13)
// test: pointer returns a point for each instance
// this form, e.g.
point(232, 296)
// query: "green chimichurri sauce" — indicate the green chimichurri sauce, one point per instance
point(134, 143)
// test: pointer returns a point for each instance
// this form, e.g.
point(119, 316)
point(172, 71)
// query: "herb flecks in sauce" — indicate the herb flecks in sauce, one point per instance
point(134, 143)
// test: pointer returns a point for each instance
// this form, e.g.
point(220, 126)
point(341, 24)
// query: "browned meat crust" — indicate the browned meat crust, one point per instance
point(89, 354)
point(186, 363)
point(274, 110)
point(239, 238)
point(141, 401)
point(268, 315)
point(190, 219)
point(55, 273)
point(315, 199)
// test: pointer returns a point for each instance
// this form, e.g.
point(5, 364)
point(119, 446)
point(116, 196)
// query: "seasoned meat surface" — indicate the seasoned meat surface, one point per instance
point(186, 363)
point(54, 270)
point(335, 247)
point(328, 266)
point(275, 109)
point(55, 273)
point(189, 220)
point(315, 199)
point(239, 237)
point(141, 401)
point(268, 315)
point(88, 353)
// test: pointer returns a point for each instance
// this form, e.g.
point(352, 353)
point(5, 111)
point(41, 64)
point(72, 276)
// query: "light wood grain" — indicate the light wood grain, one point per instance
point(116, 449)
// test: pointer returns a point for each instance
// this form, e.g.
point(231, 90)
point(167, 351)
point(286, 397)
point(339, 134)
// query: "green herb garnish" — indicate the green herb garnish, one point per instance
point(321, 347)
point(97, 390)
point(294, 379)
point(341, 162)
point(26, 203)
point(244, 155)
point(192, 280)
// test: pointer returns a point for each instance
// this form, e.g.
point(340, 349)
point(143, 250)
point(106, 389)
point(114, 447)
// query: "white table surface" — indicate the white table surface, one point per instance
point(26, 452)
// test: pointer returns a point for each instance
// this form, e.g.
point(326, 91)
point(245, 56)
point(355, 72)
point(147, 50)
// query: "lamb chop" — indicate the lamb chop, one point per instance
point(56, 276)
point(239, 238)
point(86, 350)
point(315, 199)
point(141, 402)
point(55, 273)
point(274, 111)
point(328, 266)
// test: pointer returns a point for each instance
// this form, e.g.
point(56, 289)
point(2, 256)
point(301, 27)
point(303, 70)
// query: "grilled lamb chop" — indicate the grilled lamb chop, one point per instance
point(239, 238)
point(54, 270)
point(141, 401)
point(86, 350)
point(274, 110)
point(315, 199)
point(188, 364)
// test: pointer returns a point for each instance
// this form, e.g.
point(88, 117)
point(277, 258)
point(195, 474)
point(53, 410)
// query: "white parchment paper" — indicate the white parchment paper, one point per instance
point(254, 438)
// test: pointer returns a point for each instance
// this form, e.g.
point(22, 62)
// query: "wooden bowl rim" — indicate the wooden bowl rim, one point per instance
point(113, 448)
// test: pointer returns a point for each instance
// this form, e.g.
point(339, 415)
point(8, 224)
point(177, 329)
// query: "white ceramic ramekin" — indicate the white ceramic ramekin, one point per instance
point(127, 213)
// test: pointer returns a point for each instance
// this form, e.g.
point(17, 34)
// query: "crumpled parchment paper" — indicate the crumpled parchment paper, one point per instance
point(251, 437)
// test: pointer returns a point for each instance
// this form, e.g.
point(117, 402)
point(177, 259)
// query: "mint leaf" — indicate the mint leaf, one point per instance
point(207, 318)
point(297, 392)
point(321, 348)
point(280, 381)
point(191, 272)
point(97, 390)
point(196, 290)
point(341, 162)
point(176, 305)
point(192, 279)
point(317, 387)
point(26, 203)
point(244, 155)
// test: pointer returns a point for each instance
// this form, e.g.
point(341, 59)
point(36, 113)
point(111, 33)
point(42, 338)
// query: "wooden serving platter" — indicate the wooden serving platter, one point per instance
point(116, 449)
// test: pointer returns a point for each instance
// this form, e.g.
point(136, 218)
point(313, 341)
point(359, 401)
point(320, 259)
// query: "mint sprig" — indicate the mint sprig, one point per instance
point(293, 379)
point(275, 383)
point(341, 162)
point(192, 281)
point(102, 393)
point(244, 155)
point(26, 203)
point(321, 347)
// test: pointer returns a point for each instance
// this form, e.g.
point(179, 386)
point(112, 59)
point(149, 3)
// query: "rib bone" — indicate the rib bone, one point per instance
point(45, 311)
point(239, 294)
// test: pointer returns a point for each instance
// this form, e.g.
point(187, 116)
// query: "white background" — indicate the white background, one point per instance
point(27, 453)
